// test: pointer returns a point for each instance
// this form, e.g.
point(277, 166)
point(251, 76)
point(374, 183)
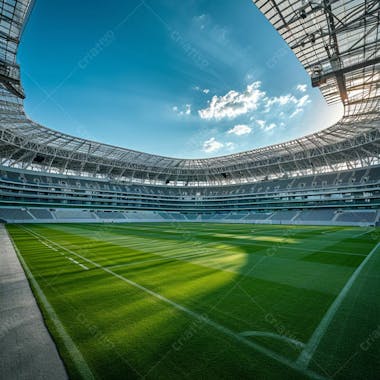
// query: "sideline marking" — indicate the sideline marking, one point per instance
point(54, 249)
point(72, 349)
point(76, 262)
point(306, 355)
point(202, 318)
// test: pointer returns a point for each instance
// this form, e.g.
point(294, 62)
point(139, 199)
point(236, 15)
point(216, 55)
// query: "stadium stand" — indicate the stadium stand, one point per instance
point(73, 214)
point(40, 213)
point(366, 217)
point(236, 203)
point(258, 216)
point(329, 177)
point(110, 214)
point(284, 216)
point(14, 214)
point(317, 216)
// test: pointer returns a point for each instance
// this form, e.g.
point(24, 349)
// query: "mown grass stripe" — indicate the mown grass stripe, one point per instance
point(137, 242)
point(224, 330)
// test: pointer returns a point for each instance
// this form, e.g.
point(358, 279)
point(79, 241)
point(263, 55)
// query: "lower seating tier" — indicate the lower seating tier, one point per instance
point(364, 217)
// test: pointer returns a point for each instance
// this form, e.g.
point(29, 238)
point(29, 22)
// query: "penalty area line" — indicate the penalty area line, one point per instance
point(311, 346)
point(226, 331)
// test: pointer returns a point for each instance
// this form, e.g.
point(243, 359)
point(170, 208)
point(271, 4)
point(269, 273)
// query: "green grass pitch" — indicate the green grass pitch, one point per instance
point(207, 301)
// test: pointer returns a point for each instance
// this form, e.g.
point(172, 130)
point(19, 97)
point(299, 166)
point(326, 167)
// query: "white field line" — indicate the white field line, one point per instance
point(54, 249)
point(308, 352)
point(186, 256)
point(269, 334)
point(76, 262)
point(72, 349)
point(365, 232)
point(195, 315)
point(47, 245)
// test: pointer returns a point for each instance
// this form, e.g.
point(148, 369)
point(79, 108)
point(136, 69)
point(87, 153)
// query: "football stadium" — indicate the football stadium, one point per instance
point(260, 264)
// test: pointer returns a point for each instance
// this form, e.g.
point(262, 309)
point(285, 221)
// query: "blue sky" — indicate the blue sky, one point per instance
point(191, 78)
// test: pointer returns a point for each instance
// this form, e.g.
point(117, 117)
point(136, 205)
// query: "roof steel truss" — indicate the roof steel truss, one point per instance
point(337, 41)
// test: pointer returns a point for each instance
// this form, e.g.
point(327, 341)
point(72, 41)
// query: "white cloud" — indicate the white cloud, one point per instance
point(264, 126)
point(204, 90)
point(230, 145)
point(301, 87)
point(294, 105)
point(187, 109)
point(270, 127)
point(261, 123)
point(233, 103)
point(280, 100)
point(240, 129)
point(296, 112)
point(303, 101)
point(184, 110)
point(212, 145)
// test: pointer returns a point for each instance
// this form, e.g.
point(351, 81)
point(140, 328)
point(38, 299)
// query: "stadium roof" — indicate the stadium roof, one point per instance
point(337, 41)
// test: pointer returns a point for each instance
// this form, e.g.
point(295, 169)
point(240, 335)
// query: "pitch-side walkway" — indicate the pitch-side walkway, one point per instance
point(27, 350)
